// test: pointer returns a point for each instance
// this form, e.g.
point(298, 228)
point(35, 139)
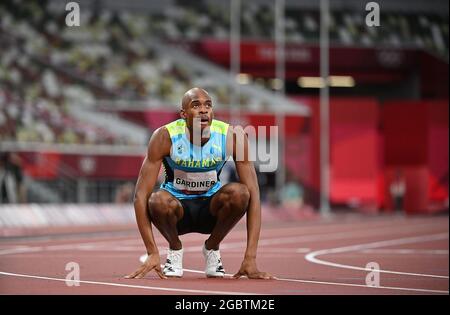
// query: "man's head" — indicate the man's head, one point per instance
point(196, 107)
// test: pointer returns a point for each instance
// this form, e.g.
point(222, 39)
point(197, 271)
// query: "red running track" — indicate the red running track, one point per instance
point(320, 256)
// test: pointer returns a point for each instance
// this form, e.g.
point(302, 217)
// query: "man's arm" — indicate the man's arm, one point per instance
point(247, 176)
point(159, 146)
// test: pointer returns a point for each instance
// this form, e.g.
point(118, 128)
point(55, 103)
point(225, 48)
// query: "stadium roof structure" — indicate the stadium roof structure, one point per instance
point(218, 75)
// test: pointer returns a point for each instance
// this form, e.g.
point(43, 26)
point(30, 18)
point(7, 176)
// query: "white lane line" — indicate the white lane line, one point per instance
point(231, 245)
point(302, 250)
point(212, 291)
point(104, 244)
point(197, 248)
point(283, 240)
point(112, 284)
point(277, 250)
point(288, 240)
point(406, 251)
point(340, 284)
point(21, 250)
point(306, 230)
point(365, 286)
point(312, 257)
point(92, 246)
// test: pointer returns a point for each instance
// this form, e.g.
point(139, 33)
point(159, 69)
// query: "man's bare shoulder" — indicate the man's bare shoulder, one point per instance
point(161, 134)
point(160, 142)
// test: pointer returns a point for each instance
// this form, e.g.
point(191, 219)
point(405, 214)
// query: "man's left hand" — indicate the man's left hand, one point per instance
point(249, 269)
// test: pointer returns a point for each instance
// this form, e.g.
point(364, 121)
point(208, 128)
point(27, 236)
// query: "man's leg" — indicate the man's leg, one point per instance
point(165, 211)
point(228, 205)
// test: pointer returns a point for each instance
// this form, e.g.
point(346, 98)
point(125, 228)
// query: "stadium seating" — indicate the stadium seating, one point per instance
point(46, 66)
point(193, 22)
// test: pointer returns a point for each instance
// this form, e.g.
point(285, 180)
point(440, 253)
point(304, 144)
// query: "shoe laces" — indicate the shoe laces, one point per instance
point(213, 256)
point(173, 257)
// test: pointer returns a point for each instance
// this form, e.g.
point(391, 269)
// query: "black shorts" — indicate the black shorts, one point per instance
point(197, 217)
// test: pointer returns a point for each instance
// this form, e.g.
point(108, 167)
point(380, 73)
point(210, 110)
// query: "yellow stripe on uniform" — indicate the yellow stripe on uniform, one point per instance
point(219, 127)
point(177, 127)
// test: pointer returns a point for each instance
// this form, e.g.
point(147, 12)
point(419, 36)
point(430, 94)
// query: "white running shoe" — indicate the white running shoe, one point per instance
point(174, 263)
point(172, 256)
point(214, 267)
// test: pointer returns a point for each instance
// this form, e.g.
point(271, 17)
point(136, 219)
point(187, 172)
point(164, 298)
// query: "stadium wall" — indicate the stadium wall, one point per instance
point(416, 135)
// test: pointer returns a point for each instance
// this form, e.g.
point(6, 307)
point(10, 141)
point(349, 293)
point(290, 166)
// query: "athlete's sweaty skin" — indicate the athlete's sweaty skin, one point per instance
point(229, 204)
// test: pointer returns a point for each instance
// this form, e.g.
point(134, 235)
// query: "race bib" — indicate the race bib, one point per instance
point(195, 182)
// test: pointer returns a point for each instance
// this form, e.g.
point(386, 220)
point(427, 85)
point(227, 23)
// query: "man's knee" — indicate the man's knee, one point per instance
point(236, 196)
point(161, 204)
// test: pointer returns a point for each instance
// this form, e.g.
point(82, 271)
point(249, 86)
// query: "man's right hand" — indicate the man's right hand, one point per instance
point(151, 263)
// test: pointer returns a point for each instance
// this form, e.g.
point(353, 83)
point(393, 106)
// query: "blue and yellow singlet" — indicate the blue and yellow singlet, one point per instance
point(193, 171)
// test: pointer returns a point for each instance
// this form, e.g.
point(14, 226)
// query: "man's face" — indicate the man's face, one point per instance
point(198, 111)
